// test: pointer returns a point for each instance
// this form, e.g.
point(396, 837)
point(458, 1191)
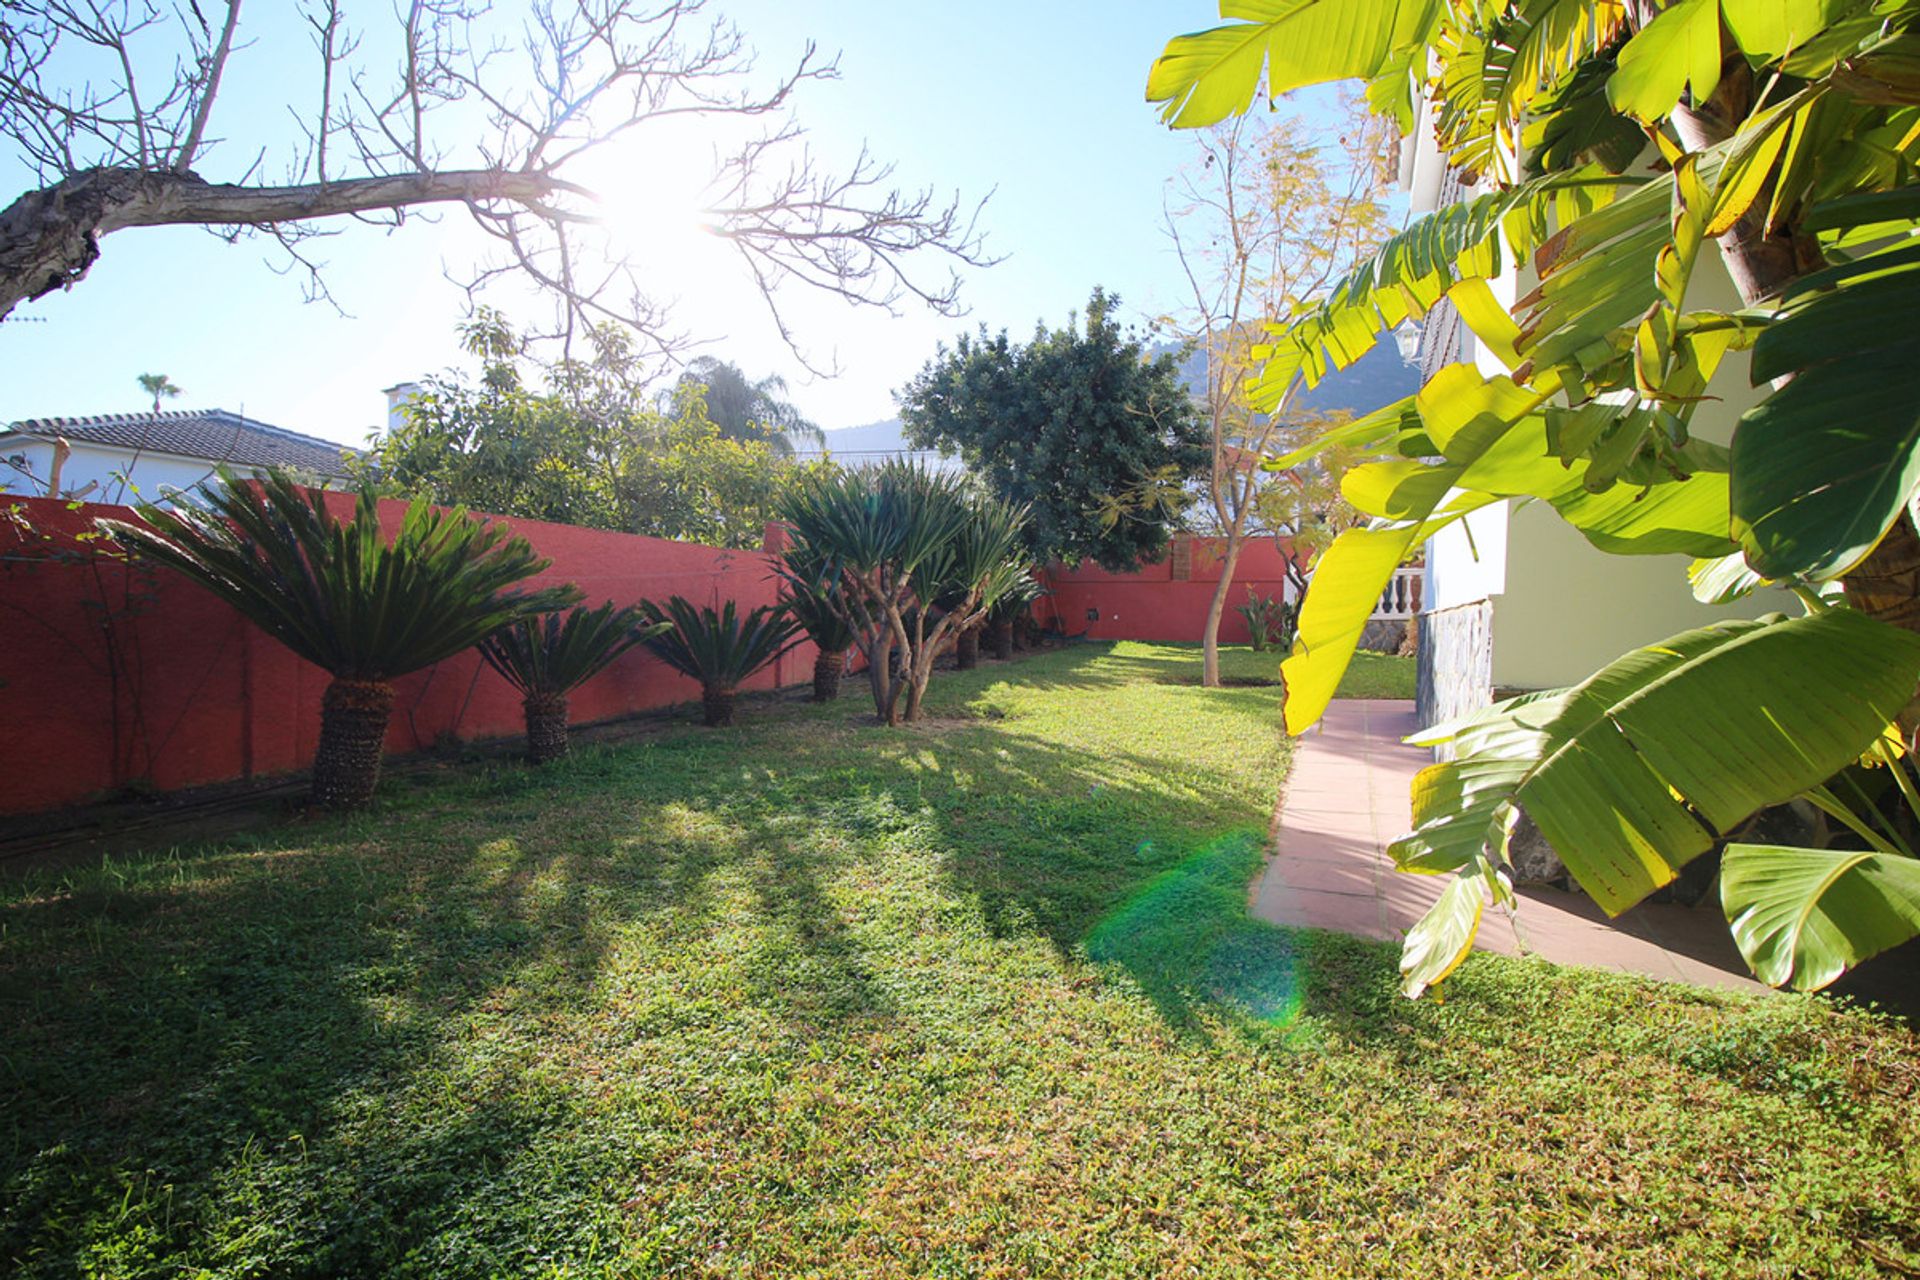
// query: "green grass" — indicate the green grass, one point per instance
point(977, 997)
point(1377, 675)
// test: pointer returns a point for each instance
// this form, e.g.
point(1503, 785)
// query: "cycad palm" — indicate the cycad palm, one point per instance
point(548, 657)
point(719, 648)
point(813, 599)
point(341, 595)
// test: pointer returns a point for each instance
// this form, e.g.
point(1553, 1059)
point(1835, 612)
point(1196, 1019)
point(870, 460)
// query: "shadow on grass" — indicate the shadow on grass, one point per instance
point(368, 1006)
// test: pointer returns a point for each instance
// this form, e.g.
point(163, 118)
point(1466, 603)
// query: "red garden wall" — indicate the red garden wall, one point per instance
point(110, 677)
point(1167, 600)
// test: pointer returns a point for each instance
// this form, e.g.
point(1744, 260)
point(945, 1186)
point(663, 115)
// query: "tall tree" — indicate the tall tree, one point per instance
point(117, 110)
point(1613, 142)
point(499, 442)
point(160, 387)
point(1081, 426)
point(1268, 215)
point(747, 408)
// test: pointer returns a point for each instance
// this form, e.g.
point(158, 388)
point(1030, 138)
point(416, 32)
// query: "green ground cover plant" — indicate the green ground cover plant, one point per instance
point(973, 997)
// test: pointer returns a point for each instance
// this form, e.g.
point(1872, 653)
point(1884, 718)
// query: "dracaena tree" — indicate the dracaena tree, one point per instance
point(905, 539)
point(813, 600)
point(363, 607)
point(1613, 145)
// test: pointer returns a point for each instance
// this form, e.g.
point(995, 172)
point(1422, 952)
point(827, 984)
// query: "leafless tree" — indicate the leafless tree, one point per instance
point(115, 107)
point(1271, 213)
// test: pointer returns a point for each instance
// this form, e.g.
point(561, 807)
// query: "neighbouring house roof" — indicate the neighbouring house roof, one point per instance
point(211, 434)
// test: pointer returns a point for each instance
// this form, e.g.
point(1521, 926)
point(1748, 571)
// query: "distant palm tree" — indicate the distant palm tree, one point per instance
point(160, 387)
point(745, 409)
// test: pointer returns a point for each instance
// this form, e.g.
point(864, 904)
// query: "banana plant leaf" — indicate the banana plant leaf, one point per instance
point(1207, 76)
point(1491, 434)
point(1825, 464)
point(1805, 916)
point(1643, 766)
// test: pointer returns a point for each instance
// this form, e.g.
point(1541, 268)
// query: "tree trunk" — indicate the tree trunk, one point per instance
point(1003, 639)
point(966, 649)
point(716, 704)
point(546, 726)
point(828, 664)
point(1886, 585)
point(879, 651)
point(353, 729)
point(919, 675)
point(1216, 609)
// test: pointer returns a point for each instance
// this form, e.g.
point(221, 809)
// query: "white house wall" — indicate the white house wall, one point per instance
point(101, 466)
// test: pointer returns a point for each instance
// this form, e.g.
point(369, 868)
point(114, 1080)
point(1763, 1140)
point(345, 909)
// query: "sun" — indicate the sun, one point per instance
point(654, 196)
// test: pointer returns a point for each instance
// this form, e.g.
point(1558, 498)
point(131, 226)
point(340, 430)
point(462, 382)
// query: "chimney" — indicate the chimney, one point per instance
point(397, 396)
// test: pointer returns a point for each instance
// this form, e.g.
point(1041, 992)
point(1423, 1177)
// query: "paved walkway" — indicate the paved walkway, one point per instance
point(1347, 799)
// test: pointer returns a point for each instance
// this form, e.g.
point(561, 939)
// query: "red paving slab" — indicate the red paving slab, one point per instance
point(1347, 799)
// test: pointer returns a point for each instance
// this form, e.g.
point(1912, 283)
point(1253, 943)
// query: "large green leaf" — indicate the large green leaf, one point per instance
point(1805, 916)
point(1678, 50)
point(1491, 436)
point(1644, 765)
point(1464, 416)
point(1441, 939)
point(1681, 51)
point(1824, 465)
point(1207, 76)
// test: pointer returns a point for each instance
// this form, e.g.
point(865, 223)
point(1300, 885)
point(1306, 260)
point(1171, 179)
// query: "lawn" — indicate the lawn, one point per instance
point(977, 997)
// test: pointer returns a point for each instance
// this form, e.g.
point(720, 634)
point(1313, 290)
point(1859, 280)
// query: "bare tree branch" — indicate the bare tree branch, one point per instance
point(475, 110)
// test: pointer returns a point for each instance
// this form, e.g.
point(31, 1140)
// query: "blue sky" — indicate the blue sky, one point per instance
point(1039, 103)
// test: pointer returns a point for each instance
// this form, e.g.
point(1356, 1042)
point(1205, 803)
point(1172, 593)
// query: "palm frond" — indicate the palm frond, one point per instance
point(720, 648)
point(556, 653)
point(341, 594)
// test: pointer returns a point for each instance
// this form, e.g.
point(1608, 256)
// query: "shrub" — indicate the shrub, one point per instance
point(1270, 620)
point(548, 657)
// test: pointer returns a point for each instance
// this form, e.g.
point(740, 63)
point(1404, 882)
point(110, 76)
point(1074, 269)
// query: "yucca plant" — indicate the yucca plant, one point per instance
point(813, 600)
point(719, 648)
point(363, 608)
point(1270, 620)
point(904, 537)
point(548, 657)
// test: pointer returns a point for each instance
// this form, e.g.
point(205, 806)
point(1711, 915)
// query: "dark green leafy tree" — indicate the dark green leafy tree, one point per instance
point(1097, 439)
point(719, 648)
point(582, 442)
point(499, 443)
point(549, 656)
point(362, 607)
point(690, 480)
